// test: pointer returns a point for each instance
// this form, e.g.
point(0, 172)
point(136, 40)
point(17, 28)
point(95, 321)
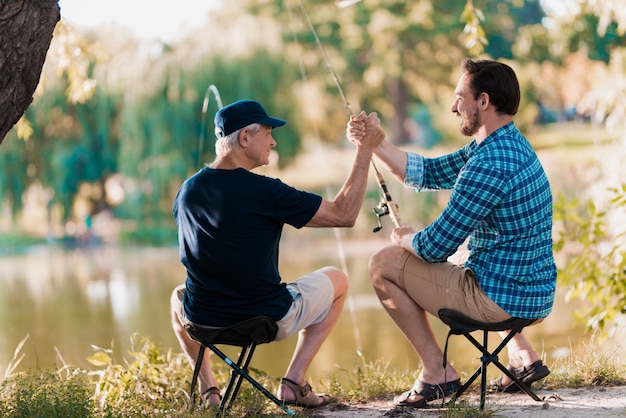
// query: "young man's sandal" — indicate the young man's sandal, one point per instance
point(527, 374)
point(429, 392)
point(304, 395)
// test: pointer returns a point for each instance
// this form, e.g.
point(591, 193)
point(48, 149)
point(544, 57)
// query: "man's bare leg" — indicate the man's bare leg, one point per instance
point(191, 348)
point(410, 318)
point(521, 354)
point(311, 338)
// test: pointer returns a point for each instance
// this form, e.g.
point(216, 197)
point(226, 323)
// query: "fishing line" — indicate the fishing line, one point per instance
point(326, 59)
point(338, 239)
point(387, 205)
point(205, 107)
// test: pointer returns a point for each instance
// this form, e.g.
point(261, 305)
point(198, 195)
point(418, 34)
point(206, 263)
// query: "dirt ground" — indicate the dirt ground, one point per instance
point(563, 403)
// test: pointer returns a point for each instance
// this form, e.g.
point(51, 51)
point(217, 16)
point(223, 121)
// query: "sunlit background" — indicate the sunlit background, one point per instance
point(88, 253)
point(149, 20)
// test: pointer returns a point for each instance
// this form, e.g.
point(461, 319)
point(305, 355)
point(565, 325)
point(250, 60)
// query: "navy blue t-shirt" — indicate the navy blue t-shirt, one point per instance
point(229, 227)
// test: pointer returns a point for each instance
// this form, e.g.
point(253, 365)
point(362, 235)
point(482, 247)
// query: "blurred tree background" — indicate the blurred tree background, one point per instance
point(119, 129)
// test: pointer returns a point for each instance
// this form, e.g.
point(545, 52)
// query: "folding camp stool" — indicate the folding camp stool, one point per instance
point(460, 324)
point(247, 335)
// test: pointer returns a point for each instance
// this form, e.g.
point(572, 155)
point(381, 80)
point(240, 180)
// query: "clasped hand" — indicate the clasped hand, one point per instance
point(365, 129)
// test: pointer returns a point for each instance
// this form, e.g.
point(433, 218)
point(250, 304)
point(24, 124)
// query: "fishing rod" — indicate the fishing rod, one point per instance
point(386, 206)
point(205, 108)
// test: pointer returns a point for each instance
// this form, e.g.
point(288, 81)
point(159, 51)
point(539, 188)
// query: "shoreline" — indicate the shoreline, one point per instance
point(584, 402)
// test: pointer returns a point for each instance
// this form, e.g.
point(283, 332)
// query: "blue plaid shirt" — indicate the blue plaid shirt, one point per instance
point(501, 199)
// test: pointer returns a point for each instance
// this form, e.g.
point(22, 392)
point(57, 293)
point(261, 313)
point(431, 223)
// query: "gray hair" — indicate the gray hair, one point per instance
point(226, 143)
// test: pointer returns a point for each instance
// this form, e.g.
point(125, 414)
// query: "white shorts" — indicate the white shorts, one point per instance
point(313, 296)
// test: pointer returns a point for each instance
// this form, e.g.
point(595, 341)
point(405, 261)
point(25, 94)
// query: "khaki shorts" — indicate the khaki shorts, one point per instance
point(434, 286)
point(313, 296)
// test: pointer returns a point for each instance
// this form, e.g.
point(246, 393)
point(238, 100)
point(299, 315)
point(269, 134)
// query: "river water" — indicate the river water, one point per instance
point(71, 300)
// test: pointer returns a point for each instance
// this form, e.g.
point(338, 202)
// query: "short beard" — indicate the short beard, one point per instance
point(471, 125)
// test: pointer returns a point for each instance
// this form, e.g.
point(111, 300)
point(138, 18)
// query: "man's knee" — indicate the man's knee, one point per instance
point(175, 308)
point(339, 280)
point(383, 263)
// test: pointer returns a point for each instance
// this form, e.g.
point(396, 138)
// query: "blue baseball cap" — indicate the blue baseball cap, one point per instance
point(240, 114)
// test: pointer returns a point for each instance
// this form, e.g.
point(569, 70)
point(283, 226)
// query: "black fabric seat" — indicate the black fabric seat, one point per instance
point(460, 324)
point(247, 335)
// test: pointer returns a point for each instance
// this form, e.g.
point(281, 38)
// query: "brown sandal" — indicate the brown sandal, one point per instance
point(428, 392)
point(304, 395)
point(527, 374)
point(210, 391)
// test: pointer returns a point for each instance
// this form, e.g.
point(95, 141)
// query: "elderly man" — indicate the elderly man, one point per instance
point(501, 200)
point(230, 222)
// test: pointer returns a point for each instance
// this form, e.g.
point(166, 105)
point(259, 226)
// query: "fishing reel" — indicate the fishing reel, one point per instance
point(381, 210)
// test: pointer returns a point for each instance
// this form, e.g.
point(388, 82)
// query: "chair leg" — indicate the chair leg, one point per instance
point(484, 362)
point(478, 371)
point(194, 379)
point(487, 358)
point(238, 371)
point(234, 383)
point(504, 370)
point(519, 383)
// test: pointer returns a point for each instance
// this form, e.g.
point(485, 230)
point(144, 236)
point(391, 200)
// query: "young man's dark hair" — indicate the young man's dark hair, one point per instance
point(496, 79)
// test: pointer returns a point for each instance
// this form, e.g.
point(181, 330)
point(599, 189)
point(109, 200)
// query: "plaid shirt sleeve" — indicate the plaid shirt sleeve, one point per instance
point(478, 189)
point(436, 173)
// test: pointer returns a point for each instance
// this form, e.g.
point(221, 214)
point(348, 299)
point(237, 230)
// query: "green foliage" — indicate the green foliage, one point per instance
point(46, 394)
point(150, 383)
point(395, 57)
point(594, 261)
point(475, 38)
point(584, 35)
point(154, 383)
point(503, 22)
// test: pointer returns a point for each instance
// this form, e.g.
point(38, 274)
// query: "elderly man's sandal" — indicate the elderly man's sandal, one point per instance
point(304, 395)
point(428, 391)
point(211, 391)
point(527, 374)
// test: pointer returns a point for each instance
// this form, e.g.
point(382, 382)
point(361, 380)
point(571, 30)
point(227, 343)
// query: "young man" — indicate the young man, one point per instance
point(502, 201)
point(230, 222)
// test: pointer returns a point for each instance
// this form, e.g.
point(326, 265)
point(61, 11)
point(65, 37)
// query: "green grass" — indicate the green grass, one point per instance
point(154, 382)
point(588, 367)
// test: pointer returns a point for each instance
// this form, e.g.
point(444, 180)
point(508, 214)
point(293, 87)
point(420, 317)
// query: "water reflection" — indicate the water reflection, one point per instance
point(73, 300)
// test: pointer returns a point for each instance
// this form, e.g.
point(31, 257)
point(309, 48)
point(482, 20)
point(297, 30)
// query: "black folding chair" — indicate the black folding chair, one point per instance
point(247, 335)
point(462, 325)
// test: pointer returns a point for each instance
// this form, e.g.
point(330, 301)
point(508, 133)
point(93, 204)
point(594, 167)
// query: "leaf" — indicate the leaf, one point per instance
point(24, 129)
point(100, 359)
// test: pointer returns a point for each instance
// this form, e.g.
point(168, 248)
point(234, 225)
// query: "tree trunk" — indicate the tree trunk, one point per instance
point(26, 28)
point(398, 95)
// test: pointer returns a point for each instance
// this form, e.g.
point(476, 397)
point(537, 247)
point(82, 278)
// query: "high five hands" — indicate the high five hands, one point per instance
point(359, 127)
point(363, 127)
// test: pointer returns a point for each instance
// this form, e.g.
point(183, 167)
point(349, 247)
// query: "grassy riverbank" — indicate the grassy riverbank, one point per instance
point(153, 382)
